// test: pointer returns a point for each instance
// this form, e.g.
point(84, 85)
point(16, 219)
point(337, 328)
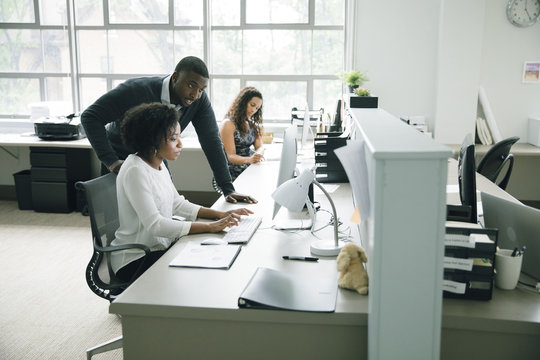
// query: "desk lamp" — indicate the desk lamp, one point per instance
point(293, 194)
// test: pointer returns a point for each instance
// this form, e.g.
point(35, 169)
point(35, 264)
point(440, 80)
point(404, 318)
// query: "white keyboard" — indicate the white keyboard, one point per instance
point(244, 231)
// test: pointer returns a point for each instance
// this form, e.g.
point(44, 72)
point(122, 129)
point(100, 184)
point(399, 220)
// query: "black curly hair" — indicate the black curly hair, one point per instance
point(237, 111)
point(145, 127)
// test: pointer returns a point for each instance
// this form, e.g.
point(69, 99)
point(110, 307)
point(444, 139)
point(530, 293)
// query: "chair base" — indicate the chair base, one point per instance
point(113, 344)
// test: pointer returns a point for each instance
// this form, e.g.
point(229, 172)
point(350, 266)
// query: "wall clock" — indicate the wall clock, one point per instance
point(523, 13)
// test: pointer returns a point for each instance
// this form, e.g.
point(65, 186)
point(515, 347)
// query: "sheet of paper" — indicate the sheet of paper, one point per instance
point(353, 159)
point(206, 256)
point(356, 218)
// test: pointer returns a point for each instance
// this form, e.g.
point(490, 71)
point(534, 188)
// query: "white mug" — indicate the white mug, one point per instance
point(507, 269)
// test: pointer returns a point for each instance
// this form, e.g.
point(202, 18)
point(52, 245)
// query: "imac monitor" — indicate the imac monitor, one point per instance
point(467, 176)
point(305, 126)
point(519, 226)
point(287, 162)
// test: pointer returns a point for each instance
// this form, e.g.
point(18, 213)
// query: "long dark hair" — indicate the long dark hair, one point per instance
point(237, 111)
point(145, 127)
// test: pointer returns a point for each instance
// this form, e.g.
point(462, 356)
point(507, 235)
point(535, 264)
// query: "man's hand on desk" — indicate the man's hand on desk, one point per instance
point(235, 197)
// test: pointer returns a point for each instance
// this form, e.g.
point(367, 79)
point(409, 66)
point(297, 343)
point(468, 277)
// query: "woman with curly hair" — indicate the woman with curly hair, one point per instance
point(147, 197)
point(241, 129)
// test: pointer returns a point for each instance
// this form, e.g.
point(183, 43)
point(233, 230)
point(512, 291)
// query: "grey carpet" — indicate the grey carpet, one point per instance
point(47, 310)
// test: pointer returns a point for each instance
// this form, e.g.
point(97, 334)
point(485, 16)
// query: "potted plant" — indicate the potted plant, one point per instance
point(353, 78)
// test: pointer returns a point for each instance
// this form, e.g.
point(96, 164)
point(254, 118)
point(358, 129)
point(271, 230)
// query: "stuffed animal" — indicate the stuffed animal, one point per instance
point(350, 264)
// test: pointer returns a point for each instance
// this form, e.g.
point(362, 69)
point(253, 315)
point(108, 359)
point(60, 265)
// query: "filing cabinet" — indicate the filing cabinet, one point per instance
point(54, 172)
point(328, 168)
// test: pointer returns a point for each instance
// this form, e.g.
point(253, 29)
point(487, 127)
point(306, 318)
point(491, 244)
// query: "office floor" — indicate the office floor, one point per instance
point(47, 310)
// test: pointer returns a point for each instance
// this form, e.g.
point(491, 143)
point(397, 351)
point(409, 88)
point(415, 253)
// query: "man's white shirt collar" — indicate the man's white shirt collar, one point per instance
point(165, 95)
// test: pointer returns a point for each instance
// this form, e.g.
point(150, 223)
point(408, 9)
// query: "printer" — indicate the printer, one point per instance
point(59, 128)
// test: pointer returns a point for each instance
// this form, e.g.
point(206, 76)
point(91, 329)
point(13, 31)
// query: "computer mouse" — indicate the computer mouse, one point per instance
point(214, 242)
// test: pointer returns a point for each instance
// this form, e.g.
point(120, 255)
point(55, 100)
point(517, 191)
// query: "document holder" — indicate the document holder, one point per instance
point(277, 290)
point(328, 168)
point(469, 262)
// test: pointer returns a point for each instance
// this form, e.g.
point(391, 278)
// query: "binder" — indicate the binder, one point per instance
point(277, 290)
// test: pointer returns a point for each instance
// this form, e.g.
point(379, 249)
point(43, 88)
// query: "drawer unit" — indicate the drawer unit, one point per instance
point(469, 262)
point(328, 168)
point(54, 173)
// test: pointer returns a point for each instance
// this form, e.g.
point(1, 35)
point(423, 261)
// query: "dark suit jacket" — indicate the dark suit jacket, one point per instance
point(102, 119)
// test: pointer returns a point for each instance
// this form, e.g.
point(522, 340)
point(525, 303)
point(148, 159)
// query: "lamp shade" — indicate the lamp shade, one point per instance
point(293, 193)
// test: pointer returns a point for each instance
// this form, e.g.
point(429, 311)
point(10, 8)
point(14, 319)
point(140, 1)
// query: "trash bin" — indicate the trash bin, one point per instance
point(23, 189)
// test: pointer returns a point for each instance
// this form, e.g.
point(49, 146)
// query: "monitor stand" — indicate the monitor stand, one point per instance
point(288, 220)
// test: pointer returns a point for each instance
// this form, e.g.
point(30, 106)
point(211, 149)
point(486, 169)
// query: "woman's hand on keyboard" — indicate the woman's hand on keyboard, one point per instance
point(228, 221)
point(240, 211)
point(214, 226)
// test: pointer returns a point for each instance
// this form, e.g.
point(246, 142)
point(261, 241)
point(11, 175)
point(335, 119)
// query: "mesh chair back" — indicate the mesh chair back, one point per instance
point(496, 159)
point(103, 211)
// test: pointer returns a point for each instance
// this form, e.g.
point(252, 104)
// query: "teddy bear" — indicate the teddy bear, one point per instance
point(350, 264)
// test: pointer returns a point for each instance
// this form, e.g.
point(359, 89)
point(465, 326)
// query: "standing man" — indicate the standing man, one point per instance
point(184, 90)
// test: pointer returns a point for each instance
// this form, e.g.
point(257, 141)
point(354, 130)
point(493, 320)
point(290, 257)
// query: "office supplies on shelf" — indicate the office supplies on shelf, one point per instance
point(519, 225)
point(211, 257)
point(242, 233)
point(272, 289)
point(469, 258)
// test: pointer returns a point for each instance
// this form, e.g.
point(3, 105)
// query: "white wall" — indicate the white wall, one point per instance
point(428, 57)
point(396, 43)
point(505, 49)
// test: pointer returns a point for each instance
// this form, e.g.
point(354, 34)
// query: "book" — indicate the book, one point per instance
point(195, 255)
point(272, 289)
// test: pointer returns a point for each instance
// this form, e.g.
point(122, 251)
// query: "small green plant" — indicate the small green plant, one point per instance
point(353, 78)
point(362, 92)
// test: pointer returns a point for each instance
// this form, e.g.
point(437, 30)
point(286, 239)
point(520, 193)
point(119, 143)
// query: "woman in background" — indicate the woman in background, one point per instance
point(147, 197)
point(241, 129)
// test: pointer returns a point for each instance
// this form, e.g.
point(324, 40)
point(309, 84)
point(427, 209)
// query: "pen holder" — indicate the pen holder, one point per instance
point(507, 269)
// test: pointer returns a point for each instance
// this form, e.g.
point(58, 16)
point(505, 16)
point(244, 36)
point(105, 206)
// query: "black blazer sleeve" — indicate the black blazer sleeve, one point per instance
point(101, 120)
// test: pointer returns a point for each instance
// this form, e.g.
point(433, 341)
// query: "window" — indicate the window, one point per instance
point(76, 50)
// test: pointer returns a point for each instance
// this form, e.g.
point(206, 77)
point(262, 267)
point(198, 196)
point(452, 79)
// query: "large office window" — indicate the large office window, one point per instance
point(76, 50)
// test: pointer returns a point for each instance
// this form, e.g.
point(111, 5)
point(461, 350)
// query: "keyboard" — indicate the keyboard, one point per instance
point(242, 233)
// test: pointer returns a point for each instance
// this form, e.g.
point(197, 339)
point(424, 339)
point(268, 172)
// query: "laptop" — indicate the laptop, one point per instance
point(519, 225)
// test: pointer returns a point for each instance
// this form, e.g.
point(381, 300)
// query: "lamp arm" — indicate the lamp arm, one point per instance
point(333, 210)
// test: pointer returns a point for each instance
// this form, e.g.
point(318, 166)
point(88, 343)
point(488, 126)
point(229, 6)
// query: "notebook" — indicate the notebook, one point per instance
point(519, 225)
point(206, 256)
point(272, 289)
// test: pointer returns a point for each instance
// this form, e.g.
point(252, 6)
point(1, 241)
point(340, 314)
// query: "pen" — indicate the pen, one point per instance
point(303, 258)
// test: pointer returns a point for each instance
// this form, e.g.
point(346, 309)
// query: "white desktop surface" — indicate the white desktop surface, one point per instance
point(193, 313)
point(181, 298)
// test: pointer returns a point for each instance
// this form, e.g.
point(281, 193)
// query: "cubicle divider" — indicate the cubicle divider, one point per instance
point(403, 235)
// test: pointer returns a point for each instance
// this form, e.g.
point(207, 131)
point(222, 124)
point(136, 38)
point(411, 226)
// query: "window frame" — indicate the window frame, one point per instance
point(77, 76)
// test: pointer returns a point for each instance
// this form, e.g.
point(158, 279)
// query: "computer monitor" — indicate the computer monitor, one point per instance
point(305, 126)
point(287, 162)
point(519, 226)
point(467, 177)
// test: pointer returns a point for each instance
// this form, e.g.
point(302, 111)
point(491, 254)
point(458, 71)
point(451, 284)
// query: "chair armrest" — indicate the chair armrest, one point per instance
point(114, 248)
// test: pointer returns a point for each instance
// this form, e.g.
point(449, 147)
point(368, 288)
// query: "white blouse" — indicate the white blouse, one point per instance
point(147, 200)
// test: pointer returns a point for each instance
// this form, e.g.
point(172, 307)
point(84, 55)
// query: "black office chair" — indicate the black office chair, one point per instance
point(496, 159)
point(103, 210)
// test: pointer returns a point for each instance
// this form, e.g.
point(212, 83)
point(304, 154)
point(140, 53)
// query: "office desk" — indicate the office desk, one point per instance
point(193, 313)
